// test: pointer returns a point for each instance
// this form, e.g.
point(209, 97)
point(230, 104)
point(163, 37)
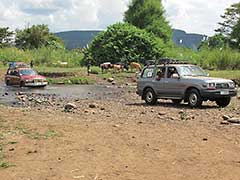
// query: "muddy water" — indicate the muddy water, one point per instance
point(8, 93)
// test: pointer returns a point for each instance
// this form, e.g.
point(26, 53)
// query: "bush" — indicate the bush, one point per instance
point(123, 42)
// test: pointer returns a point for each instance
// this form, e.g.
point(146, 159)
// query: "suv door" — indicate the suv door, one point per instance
point(159, 81)
point(174, 85)
point(145, 79)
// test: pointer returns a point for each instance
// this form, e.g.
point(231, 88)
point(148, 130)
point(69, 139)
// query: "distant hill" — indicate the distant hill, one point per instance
point(80, 39)
point(183, 39)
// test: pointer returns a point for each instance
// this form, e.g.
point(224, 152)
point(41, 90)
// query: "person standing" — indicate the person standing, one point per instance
point(88, 68)
point(31, 64)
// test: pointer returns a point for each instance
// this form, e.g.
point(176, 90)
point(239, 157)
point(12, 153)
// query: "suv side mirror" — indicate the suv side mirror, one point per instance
point(175, 76)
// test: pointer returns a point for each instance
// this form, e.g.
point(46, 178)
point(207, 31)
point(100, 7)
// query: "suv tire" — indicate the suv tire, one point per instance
point(150, 96)
point(7, 83)
point(194, 98)
point(223, 102)
point(22, 84)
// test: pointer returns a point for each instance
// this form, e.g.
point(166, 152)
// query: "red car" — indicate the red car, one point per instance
point(24, 77)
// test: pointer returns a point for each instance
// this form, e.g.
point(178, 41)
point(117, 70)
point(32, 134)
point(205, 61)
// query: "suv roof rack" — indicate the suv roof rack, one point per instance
point(165, 61)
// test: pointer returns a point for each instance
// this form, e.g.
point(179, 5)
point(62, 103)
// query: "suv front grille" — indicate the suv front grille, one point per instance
point(222, 85)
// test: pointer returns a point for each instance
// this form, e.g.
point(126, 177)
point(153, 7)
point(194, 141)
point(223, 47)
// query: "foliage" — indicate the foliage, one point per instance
point(42, 56)
point(230, 19)
point(126, 43)
point(217, 41)
point(235, 36)
point(230, 27)
point(5, 37)
point(70, 80)
point(36, 37)
point(149, 15)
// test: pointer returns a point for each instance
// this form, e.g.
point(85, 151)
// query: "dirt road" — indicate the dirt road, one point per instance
point(119, 138)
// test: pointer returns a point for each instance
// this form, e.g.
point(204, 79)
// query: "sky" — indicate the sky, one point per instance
point(193, 16)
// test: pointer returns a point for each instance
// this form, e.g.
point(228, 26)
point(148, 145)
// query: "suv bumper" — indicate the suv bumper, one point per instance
point(219, 93)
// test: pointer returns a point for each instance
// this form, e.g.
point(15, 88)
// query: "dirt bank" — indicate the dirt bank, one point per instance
point(120, 138)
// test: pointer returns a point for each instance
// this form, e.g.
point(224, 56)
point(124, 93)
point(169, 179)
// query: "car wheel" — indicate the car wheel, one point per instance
point(176, 101)
point(223, 102)
point(150, 96)
point(7, 83)
point(22, 84)
point(194, 98)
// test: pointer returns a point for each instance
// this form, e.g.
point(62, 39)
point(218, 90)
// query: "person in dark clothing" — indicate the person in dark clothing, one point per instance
point(88, 68)
point(31, 64)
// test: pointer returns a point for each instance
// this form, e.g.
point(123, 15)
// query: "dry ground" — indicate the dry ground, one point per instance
point(120, 139)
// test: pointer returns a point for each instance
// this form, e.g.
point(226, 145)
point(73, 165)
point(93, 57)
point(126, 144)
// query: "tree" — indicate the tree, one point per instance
point(123, 42)
point(217, 41)
point(230, 19)
point(5, 37)
point(37, 36)
point(149, 15)
point(235, 36)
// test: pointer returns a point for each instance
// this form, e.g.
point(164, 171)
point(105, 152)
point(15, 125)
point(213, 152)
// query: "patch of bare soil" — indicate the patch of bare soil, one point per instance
point(120, 139)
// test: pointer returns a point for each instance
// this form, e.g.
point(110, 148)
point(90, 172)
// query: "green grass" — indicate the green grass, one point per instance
point(226, 74)
point(71, 80)
point(60, 69)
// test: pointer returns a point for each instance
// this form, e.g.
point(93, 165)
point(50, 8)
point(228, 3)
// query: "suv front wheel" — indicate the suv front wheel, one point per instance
point(223, 102)
point(150, 96)
point(194, 98)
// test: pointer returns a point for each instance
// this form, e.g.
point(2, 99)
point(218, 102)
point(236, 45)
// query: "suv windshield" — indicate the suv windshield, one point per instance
point(191, 71)
point(27, 72)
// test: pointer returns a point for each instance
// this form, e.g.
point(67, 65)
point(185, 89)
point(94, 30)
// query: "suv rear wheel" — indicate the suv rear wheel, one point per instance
point(22, 84)
point(223, 102)
point(7, 82)
point(150, 96)
point(194, 98)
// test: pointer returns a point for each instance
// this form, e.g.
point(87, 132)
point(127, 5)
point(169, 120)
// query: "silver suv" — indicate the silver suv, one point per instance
point(183, 82)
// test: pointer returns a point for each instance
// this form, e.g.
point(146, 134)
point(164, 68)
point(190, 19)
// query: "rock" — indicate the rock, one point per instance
point(110, 80)
point(162, 113)
point(205, 139)
point(38, 101)
point(102, 109)
point(92, 105)
point(181, 112)
point(225, 117)
point(224, 123)
point(234, 120)
point(113, 83)
point(70, 106)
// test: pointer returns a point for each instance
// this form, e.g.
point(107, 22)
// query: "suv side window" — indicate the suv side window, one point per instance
point(148, 73)
point(171, 71)
point(161, 72)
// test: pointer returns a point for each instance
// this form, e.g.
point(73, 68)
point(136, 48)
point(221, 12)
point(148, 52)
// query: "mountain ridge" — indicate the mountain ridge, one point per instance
point(81, 38)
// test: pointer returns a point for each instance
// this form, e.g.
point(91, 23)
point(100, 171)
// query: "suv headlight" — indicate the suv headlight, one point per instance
point(210, 86)
point(232, 85)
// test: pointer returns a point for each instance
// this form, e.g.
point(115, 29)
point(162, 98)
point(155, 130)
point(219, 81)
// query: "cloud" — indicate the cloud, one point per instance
point(197, 16)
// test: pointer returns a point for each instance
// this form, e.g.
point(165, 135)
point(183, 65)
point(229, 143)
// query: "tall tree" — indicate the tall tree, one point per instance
point(230, 19)
point(149, 15)
point(235, 35)
point(36, 37)
point(5, 37)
